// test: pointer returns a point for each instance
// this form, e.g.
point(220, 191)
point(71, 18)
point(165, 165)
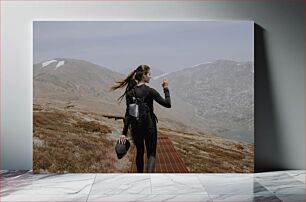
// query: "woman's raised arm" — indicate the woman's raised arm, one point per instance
point(160, 100)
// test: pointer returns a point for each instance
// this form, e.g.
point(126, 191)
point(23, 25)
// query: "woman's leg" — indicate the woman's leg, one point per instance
point(151, 141)
point(138, 141)
point(151, 164)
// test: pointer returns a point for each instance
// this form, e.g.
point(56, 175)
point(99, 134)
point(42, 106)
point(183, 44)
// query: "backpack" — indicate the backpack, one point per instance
point(138, 109)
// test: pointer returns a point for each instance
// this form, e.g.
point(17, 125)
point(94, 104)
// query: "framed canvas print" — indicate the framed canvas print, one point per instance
point(143, 96)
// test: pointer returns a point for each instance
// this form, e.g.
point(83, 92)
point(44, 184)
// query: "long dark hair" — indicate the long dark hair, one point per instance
point(131, 80)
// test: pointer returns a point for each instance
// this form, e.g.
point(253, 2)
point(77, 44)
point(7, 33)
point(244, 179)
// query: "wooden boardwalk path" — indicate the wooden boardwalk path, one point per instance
point(112, 116)
point(167, 158)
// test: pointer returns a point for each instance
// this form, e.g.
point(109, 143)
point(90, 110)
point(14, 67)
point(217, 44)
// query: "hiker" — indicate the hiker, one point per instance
point(144, 128)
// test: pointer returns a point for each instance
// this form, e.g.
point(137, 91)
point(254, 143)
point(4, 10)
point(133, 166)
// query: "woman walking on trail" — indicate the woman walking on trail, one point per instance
point(144, 129)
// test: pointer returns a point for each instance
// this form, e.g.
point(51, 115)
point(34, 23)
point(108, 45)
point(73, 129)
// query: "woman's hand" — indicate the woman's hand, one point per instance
point(122, 139)
point(165, 83)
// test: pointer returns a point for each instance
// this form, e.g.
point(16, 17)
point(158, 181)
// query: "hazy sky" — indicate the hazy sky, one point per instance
point(122, 45)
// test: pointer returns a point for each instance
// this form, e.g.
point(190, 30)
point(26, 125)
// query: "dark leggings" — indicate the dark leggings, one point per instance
point(145, 133)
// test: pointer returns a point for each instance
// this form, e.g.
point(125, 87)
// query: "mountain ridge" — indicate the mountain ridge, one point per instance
point(198, 94)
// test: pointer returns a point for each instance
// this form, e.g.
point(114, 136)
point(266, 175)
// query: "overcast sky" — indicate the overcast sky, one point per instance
point(122, 45)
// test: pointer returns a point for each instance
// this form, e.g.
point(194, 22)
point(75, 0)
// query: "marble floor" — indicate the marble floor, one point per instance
point(270, 186)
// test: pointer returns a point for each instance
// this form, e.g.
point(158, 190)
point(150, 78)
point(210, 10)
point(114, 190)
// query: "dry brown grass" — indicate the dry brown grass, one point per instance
point(92, 126)
point(209, 154)
point(71, 144)
point(67, 142)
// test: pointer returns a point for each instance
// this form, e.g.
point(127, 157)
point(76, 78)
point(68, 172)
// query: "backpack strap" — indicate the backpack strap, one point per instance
point(134, 94)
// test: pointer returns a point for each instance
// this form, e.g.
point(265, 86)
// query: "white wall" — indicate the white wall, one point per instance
point(279, 61)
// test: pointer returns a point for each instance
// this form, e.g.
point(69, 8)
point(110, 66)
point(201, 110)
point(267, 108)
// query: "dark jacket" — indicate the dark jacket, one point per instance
point(150, 94)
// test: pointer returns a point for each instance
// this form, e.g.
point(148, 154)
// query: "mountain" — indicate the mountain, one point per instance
point(220, 96)
point(76, 83)
point(70, 133)
point(217, 97)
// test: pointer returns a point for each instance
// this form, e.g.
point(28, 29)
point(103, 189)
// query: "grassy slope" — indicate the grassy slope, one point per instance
point(64, 142)
point(206, 153)
point(77, 142)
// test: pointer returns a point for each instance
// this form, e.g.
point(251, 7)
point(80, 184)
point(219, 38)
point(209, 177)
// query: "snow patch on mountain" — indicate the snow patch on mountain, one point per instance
point(159, 76)
point(205, 63)
point(60, 63)
point(48, 62)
